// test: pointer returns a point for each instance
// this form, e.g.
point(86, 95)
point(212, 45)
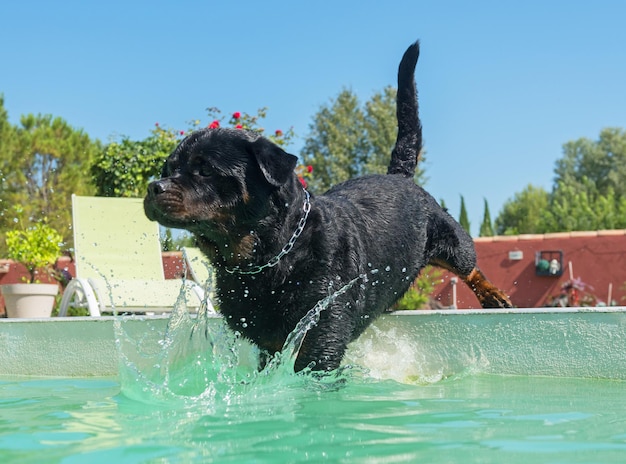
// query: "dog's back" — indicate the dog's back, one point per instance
point(406, 153)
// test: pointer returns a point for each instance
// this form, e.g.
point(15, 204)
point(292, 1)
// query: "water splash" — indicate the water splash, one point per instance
point(201, 360)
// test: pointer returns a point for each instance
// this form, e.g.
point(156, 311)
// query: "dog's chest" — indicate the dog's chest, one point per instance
point(256, 306)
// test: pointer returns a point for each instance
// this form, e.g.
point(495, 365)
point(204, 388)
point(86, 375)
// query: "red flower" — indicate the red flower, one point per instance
point(279, 133)
point(182, 132)
point(309, 169)
point(302, 181)
point(236, 115)
point(238, 126)
point(156, 124)
point(214, 125)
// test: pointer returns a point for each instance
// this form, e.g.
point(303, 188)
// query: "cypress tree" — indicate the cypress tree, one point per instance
point(463, 219)
point(486, 228)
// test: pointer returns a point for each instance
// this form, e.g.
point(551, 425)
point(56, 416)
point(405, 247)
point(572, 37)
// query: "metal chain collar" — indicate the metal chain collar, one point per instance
point(306, 207)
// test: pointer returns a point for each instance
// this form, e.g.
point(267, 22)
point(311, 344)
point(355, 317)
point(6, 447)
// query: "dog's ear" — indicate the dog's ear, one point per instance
point(275, 163)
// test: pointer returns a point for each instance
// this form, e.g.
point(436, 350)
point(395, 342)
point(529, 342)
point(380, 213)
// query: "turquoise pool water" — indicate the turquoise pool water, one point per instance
point(473, 418)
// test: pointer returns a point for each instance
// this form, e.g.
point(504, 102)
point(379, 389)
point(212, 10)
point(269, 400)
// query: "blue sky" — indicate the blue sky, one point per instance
point(502, 85)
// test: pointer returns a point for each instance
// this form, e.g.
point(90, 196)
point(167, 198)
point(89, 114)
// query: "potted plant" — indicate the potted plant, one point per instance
point(37, 248)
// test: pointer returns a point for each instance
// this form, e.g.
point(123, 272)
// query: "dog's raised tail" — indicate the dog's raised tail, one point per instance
point(408, 147)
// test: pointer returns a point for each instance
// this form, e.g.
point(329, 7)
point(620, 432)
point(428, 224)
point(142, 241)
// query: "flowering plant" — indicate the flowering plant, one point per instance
point(304, 172)
point(239, 120)
point(574, 293)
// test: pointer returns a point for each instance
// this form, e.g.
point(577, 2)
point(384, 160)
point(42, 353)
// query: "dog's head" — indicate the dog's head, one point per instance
point(217, 182)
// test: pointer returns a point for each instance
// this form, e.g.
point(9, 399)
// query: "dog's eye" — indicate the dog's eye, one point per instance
point(202, 169)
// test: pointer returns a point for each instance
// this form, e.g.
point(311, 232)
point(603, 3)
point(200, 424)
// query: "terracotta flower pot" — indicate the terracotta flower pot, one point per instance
point(29, 300)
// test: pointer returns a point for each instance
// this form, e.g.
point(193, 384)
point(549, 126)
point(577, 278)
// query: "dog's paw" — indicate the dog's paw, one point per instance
point(488, 294)
point(495, 299)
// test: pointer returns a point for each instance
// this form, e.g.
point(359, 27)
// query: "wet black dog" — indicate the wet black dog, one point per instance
point(278, 252)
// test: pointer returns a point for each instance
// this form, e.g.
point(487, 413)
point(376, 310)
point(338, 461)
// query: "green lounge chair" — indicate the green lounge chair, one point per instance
point(118, 261)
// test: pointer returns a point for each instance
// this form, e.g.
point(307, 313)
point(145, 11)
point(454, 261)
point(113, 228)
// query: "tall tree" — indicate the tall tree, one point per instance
point(523, 214)
point(348, 139)
point(602, 161)
point(44, 165)
point(589, 191)
point(580, 206)
point(486, 228)
point(463, 218)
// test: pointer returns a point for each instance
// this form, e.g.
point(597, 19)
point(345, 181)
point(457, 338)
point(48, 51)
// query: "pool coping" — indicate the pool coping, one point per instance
point(569, 342)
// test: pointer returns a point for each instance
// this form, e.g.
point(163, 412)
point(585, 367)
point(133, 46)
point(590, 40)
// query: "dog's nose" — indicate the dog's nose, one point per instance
point(157, 187)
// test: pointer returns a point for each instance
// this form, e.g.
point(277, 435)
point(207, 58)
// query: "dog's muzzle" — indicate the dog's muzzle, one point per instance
point(158, 187)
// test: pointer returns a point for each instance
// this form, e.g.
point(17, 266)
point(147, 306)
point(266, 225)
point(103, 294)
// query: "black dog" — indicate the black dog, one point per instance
point(277, 251)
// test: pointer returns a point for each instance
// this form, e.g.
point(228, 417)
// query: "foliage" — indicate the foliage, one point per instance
point(602, 162)
point(486, 228)
point(589, 192)
point(418, 295)
point(524, 213)
point(124, 168)
point(36, 247)
point(347, 139)
point(42, 163)
point(463, 218)
point(583, 207)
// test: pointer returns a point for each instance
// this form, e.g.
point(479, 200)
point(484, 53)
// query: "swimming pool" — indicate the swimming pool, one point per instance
point(190, 396)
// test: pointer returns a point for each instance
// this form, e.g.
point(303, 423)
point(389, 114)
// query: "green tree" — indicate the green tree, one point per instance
point(347, 139)
point(486, 228)
point(463, 218)
point(602, 161)
point(42, 163)
point(8, 141)
point(580, 206)
point(524, 213)
point(589, 191)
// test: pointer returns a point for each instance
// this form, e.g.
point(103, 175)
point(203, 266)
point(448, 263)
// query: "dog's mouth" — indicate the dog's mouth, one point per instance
point(166, 205)
point(167, 213)
point(169, 205)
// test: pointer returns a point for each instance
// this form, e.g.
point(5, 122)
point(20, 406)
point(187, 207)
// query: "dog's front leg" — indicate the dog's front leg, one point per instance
point(324, 346)
point(488, 294)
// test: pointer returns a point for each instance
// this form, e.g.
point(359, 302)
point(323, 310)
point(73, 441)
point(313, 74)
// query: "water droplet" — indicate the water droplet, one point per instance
point(404, 269)
point(388, 268)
